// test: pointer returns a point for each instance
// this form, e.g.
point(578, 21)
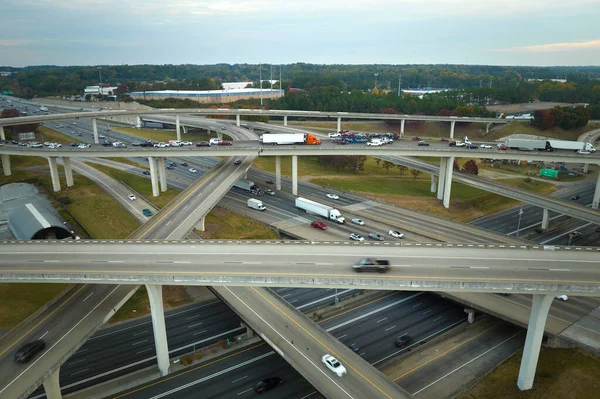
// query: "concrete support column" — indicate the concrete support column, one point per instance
point(237, 120)
point(52, 385)
point(68, 171)
point(339, 125)
point(470, 315)
point(220, 135)
point(6, 164)
point(138, 122)
point(487, 127)
point(184, 129)
point(200, 224)
point(535, 332)
point(178, 127)
point(278, 173)
point(586, 168)
point(433, 183)
point(54, 173)
point(545, 219)
point(448, 181)
point(596, 194)
point(249, 331)
point(402, 127)
point(95, 128)
point(158, 325)
point(452, 129)
point(284, 120)
point(295, 174)
point(2, 135)
point(162, 174)
point(441, 179)
point(153, 176)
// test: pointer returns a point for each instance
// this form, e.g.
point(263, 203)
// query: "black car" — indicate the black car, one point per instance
point(184, 164)
point(147, 144)
point(267, 384)
point(403, 341)
point(29, 350)
point(270, 182)
point(472, 147)
point(106, 144)
point(203, 144)
point(74, 144)
point(237, 162)
point(146, 172)
point(575, 197)
point(423, 144)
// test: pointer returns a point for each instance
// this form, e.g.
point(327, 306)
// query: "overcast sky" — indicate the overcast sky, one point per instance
point(497, 32)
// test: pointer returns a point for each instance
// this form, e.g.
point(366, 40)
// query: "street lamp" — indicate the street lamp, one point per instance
point(100, 74)
point(519, 223)
point(376, 74)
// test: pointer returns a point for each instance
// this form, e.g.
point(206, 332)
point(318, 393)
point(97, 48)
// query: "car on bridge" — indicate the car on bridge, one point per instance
point(334, 365)
point(224, 143)
point(485, 146)
point(192, 170)
point(372, 265)
point(333, 196)
point(203, 144)
point(319, 225)
point(29, 350)
point(472, 147)
point(356, 237)
point(423, 144)
point(131, 197)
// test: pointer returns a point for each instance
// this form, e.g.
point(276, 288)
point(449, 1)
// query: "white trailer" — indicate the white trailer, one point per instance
point(315, 208)
point(283, 138)
point(515, 144)
point(244, 184)
point(256, 204)
point(571, 145)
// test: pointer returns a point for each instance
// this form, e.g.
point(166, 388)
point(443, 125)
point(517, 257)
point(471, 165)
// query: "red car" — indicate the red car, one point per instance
point(319, 225)
point(502, 147)
point(224, 142)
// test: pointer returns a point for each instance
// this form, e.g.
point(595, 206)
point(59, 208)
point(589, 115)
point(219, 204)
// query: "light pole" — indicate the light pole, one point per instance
point(337, 300)
point(519, 223)
point(100, 74)
point(376, 74)
point(260, 78)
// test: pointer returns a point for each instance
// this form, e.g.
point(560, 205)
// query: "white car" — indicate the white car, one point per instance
point(131, 197)
point(333, 196)
point(485, 146)
point(332, 135)
point(562, 297)
point(375, 143)
point(358, 221)
point(396, 233)
point(334, 365)
point(356, 237)
point(161, 145)
point(583, 152)
point(83, 145)
point(186, 143)
point(192, 170)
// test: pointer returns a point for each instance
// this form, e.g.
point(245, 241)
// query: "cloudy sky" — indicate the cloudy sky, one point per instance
point(498, 32)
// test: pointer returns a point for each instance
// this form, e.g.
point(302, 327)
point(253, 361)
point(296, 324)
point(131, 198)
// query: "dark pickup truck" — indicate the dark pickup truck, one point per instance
point(372, 265)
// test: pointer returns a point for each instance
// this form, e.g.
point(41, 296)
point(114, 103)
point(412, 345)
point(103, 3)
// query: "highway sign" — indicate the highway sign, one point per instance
point(549, 173)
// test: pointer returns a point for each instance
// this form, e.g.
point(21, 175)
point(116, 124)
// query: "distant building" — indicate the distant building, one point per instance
point(421, 92)
point(208, 96)
point(243, 85)
point(5, 73)
point(552, 80)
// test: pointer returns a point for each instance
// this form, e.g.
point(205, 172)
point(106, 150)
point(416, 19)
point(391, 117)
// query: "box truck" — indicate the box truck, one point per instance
point(289, 138)
point(315, 208)
point(256, 204)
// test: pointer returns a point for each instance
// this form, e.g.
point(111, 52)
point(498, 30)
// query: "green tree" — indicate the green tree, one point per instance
point(388, 165)
point(415, 173)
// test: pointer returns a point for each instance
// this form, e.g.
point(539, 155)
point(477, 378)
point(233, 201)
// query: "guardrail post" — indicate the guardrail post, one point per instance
point(278, 172)
point(452, 129)
point(162, 173)
point(441, 179)
point(178, 127)
point(95, 128)
point(295, 174)
point(68, 171)
point(339, 125)
point(596, 194)
point(158, 324)
point(6, 164)
point(448, 181)
point(54, 173)
point(285, 120)
point(535, 332)
point(545, 219)
point(52, 385)
point(237, 120)
point(153, 176)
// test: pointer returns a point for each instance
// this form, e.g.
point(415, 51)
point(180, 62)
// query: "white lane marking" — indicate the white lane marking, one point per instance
point(199, 332)
point(391, 328)
point(251, 263)
point(340, 337)
point(144, 350)
point(309, 395)
point(75, 362)
point(566, 233)
point(560, 270)
point(139, 342)
point(193, 317)
point(439, 318)
point(194, 325)
point(185, 207)
point(246, 391)
point(239, 379)
point(286, 295)
point(418, 304)
point(427, 311)
point(290, 302)
point(80, 371)
point(43, 335)
point(479, 267)
point(140, 333)
point(372, 312)
point(51, 261)
point(181, 261)
point(116, 261)
point(467, 363)
point(87, 297)
point(379, 321)
point(168, 223)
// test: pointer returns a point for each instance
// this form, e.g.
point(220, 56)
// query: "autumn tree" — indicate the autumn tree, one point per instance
point(415, 173)
point(401, 169)
point(471, 167)
point(456, 166)
point(387, 165)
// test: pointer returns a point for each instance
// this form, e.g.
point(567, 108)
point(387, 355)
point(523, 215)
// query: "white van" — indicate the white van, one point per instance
point(175, 143)
point(214, 141)
point(376, 142)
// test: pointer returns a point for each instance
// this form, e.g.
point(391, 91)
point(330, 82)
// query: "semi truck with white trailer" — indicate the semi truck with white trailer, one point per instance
point(548, 145)
point(315, 208)
point(244, 184)
point(289, 138)
point(571, 145)
point(516, 144)
point(256, 204)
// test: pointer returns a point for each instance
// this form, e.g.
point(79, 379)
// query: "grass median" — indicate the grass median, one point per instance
point(223, 224)
point(19, 300)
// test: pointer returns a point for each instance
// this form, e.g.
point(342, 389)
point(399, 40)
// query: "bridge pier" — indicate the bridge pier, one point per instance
point(545, 219)
point(433, 183)
point(6, 164)
point(138, 122)
point(219, 135)
point(95, 128)
point(52, 385)
point(452, 129)
point(586, 168)
point(596, 194)
point(339, 125)
point(68, 171)
point(153, 176)
point(162, 173)
point(535, 332)
point(402, 127)
point(441, 179)
point(2, 135)
point(184, 129)
point(487, 127)
point(200, 224)
point(160, 330)
point(54, 173)
point(470, 315)
point(285, 120)
point(295, 174)
point(178, 127)
point(278, 173)
point(448, 181)
point(249, 331)
point(237, 120)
